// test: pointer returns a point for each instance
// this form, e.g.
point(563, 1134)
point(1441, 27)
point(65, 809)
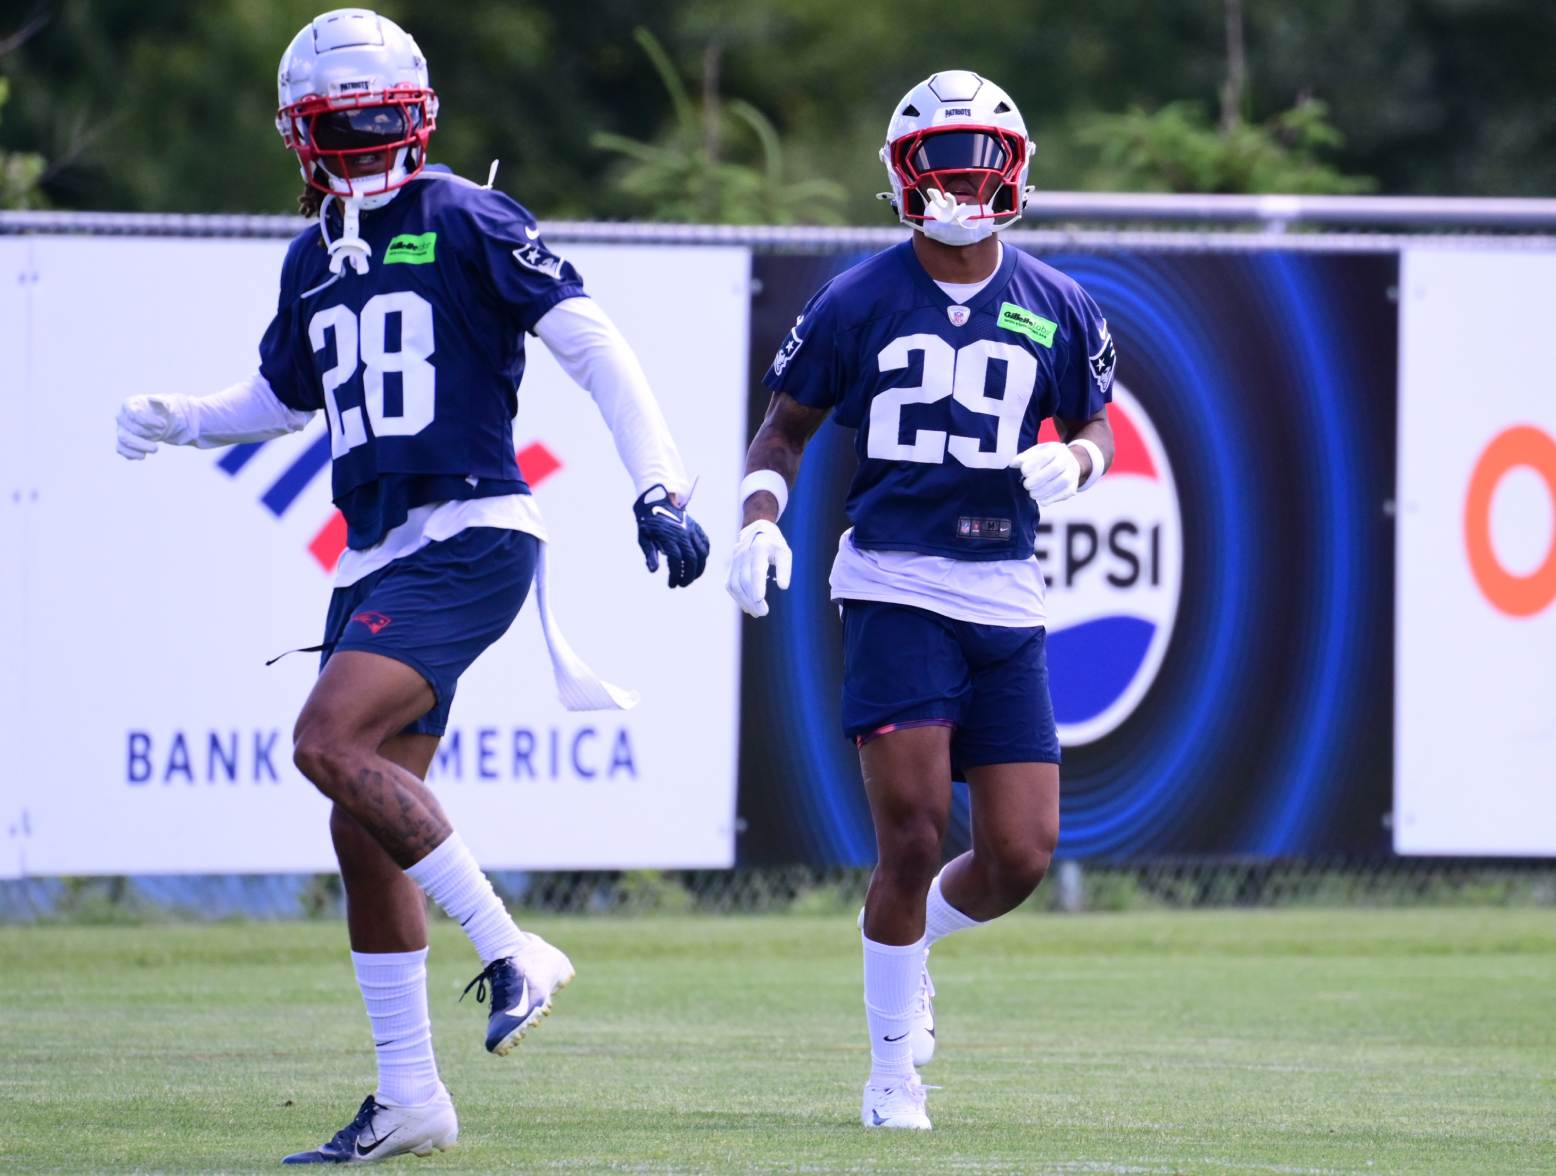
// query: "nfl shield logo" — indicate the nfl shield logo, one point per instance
point(958, 315)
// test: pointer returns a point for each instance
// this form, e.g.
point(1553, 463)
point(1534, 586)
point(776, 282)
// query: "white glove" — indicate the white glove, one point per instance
point(759, 547)
point(1050, 472)
point(145, 420)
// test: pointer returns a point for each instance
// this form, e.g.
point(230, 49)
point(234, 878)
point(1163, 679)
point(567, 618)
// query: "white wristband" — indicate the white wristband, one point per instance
point(771, 481)
point(1096, 463)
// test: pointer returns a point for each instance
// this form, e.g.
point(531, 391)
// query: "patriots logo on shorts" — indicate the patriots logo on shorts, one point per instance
point(1104, 360)
point(375, 621)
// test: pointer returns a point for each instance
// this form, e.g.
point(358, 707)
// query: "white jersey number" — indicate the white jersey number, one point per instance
point(961, 374)
point(369, 333)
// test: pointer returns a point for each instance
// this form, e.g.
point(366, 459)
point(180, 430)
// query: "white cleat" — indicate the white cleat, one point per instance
point(380, 1131)
point(900, 1105)
point(546, 968)
point(923, 1039)
point(521, 988)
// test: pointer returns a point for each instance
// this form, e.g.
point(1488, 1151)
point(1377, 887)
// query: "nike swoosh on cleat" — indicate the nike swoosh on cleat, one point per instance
point(523, 1008)
point(876, 1115)
point(377, 1143)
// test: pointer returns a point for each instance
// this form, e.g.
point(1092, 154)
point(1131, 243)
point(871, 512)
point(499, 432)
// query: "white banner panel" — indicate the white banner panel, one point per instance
point(156, 740)
point(1475, 667)
point(17, 505)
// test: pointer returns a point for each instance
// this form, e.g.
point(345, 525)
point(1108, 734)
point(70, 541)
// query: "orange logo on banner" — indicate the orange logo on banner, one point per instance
point(1517, 596)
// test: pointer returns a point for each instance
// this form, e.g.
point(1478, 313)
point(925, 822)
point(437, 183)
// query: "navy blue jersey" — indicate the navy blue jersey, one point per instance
point(416, 362)
point(943, 396)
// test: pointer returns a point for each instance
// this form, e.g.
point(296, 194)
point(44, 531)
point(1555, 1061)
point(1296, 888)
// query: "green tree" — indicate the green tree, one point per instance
point(687, 176)
point(1177, 149)
point(20, 171)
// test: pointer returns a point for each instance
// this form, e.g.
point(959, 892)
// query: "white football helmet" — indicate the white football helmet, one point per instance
point(355, 105)
point(956, 130)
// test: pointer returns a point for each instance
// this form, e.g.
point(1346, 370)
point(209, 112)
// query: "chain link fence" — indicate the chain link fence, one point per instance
point(1072, 887)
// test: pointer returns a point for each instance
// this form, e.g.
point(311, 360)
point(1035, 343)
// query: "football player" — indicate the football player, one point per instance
point(402, 316)
point(945, 353)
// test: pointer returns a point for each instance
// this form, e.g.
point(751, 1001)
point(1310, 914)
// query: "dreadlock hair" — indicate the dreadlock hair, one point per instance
point(309, 200)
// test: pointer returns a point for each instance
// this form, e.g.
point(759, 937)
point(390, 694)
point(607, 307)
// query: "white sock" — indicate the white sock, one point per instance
point(452, 879)
point(394, 989)
point(941, 918)
point(891, 988)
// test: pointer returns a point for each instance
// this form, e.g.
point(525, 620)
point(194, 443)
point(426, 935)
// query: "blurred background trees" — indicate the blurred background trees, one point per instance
point(736, 112)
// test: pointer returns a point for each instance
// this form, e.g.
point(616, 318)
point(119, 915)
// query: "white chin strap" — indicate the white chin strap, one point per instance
point(349, 246)
point(951, 222)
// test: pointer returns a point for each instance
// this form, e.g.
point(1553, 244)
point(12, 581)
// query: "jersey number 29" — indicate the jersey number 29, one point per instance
point(368, 334)
point(962, 374)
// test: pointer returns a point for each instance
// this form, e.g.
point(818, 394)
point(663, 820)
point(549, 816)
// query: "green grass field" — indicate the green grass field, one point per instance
point(1286, 1042)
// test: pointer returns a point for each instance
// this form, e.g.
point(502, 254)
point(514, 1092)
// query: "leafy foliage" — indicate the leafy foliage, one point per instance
point(20, 171)
point(169, 105)
point(685, 177)
point(1178, 149)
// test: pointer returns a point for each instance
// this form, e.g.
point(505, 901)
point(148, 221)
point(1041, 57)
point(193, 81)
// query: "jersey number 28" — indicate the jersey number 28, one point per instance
point(961, 374)
point(368, 333)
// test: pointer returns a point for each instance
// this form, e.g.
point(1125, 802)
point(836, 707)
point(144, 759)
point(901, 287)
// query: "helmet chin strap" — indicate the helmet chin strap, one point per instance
point(349, 246)
point(950, 222)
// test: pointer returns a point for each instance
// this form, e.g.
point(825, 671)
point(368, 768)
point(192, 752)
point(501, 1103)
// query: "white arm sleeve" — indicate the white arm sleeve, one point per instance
point(597, 358)
point(248, 411)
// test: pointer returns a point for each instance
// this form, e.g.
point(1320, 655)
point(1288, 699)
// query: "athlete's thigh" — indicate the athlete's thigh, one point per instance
point(413, 752)
point(902, 667)
point(1010, 715)
point(364, 698)
point(907, 777)
point(436, 611)
point(1014, 807)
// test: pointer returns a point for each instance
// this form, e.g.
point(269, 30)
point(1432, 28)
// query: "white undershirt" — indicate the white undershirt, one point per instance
point(967, 291)
point(1007, 592)
point(595, 356)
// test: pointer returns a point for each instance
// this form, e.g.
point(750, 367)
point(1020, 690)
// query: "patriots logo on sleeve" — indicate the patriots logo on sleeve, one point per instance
point(791, 344)
point(537, 257)
point(1104, 360)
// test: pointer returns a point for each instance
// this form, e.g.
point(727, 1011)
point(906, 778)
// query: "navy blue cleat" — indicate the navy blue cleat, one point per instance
point(379, 1132)
point(521, 987)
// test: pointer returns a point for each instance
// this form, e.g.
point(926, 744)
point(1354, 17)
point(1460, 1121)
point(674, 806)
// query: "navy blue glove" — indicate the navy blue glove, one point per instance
point(665, 527)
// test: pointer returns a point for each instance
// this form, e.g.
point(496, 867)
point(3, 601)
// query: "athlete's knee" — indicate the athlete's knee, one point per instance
point(910, 853)
point(328, 760)
point(1018, 872)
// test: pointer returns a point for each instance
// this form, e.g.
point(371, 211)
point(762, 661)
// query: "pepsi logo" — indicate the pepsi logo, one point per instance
point(1113, 559)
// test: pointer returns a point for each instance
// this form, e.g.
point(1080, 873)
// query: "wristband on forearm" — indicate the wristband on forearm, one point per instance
point(1095, 454)
point(771, 481)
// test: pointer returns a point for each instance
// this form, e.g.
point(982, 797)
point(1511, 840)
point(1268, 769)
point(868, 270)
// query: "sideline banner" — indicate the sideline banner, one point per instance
point(148, 595)
point(1476, 670)
point(1221, 604)
point(16, 512)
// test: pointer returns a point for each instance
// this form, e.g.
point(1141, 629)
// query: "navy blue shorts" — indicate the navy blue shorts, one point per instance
point(436, 609)
point(905, 667)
